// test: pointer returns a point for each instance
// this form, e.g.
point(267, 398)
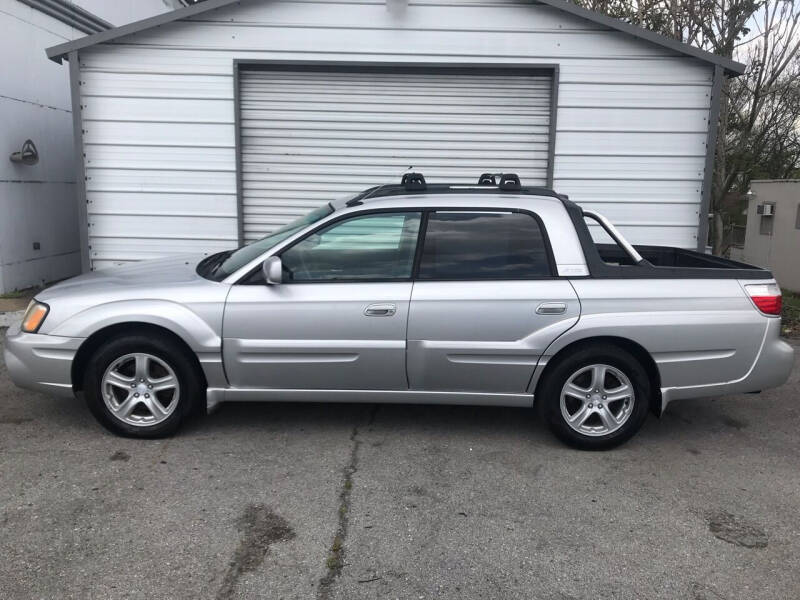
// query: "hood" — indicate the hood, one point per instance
point(171, 280)
point(148, 274)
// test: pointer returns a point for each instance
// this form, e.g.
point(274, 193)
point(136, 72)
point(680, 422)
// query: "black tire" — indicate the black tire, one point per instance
point(548, 397)
point(190, 390)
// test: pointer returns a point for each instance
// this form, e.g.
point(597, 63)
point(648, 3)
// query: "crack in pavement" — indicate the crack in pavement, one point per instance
point(335, 561)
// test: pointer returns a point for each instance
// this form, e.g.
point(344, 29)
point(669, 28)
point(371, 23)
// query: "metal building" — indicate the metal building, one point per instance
point(216, 123)
point(39, 239)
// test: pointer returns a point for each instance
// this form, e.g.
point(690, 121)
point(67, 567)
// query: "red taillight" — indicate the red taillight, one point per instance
point(767, 298)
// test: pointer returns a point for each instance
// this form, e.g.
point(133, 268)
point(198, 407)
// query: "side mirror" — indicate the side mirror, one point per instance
point(273, 270)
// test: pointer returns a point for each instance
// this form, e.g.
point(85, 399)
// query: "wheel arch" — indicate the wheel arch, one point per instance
point(634, 348)
point(99, 337)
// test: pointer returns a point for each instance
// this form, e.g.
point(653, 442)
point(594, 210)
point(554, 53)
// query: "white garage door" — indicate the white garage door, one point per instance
point(308, 137)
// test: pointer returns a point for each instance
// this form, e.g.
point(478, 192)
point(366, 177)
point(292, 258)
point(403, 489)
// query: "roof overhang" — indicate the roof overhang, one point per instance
point(58, 53)
point(70, 14)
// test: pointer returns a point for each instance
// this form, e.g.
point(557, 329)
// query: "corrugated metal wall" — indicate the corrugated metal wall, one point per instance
point(310, 136)
point(159, 116)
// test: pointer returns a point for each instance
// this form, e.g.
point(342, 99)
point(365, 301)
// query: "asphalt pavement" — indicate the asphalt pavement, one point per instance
point(357, 502)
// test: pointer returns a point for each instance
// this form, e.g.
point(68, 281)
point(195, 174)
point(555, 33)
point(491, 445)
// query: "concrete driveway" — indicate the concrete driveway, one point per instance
point(363, 501)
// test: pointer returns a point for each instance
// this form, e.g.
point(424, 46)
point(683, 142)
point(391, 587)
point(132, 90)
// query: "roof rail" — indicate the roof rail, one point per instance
point(414, 183)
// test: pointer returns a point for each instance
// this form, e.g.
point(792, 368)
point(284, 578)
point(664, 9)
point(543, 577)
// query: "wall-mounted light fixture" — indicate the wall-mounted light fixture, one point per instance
point(29, 155)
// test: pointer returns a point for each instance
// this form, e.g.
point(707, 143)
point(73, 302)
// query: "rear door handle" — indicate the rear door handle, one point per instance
point(380, 310)
point(551, 308)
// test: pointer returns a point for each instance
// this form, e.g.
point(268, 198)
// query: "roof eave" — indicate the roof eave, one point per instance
point(731, 67)
point(61, 51)
point(70, 14)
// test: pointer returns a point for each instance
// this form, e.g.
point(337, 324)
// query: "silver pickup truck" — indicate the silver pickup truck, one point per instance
point(493, 294)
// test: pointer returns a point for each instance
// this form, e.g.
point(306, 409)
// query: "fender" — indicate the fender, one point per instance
point(688, 347)
point(200, 336)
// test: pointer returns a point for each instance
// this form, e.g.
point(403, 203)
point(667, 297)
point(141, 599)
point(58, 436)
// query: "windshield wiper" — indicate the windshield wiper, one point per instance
point(212, 263)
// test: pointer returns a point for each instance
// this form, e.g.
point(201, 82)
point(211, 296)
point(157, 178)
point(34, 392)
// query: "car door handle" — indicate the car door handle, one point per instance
point(551, 308)
point(380, 310)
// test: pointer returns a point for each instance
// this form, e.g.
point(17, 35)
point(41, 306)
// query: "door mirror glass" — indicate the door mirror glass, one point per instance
point(273, 270)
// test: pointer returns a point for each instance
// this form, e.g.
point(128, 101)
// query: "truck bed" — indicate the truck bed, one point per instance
point(665, 261)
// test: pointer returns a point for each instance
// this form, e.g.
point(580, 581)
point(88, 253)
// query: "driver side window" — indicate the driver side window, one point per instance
point(378, 246)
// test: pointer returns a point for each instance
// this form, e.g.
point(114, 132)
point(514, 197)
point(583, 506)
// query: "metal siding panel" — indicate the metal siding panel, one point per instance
point(625, 119)
point(624, 191)
point(234, 36)
point(139, 157)
point(585, 95)
point(155, 85)
point(673, 214)
point(159, 181)
point(157, 204)
point(656, 235)
point(207, 135)
point(606, 143)
point(438, 16)
point(158, 110)
point(311, 130)
point(631, 168)
point(130, 58)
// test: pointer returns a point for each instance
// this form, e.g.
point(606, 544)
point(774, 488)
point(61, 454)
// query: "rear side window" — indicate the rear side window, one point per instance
point(483, 245)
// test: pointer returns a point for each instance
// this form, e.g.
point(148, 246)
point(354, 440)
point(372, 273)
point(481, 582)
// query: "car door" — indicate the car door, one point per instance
point(485, 304)
point(338, 318)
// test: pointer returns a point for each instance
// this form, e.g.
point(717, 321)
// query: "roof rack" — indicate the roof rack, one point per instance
point(414, 183)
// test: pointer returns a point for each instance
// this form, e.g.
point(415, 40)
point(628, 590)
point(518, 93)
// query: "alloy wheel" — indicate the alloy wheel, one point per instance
point(140, 389)
point(597, 400)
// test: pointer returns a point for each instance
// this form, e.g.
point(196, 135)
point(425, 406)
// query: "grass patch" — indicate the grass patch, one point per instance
point(14, 295)
point(17, 294)
point(791, 314)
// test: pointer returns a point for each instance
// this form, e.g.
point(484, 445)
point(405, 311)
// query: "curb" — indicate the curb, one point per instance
point(9, 318)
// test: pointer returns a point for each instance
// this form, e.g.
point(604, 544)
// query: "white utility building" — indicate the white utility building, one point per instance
point(216, 123)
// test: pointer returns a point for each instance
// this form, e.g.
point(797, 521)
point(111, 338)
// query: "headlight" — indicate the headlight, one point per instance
point(34, 316)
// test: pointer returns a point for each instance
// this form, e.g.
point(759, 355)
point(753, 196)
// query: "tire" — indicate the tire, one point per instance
point(596, 426)
point(142, 386)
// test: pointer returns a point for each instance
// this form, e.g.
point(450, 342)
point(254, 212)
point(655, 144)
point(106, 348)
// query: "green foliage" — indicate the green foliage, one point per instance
point(791, 314)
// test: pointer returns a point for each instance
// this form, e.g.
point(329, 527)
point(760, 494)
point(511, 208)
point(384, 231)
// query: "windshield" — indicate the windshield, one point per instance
point(218, 266)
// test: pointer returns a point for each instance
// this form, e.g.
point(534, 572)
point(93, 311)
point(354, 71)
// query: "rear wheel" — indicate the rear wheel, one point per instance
point(141, 386)
point(596, 398)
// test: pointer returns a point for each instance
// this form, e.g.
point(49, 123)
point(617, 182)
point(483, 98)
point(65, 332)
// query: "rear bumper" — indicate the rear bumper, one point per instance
point(42, 363)
point(772, 368)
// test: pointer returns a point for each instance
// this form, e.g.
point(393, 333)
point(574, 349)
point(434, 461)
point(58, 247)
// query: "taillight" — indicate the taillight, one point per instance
point(766, 297)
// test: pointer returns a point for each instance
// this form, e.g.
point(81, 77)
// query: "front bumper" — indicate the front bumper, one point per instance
point(42, 363)
point(772, 368)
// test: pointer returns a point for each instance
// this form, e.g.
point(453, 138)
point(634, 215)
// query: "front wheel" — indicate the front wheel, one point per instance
point(596, 398)
point(141, 386)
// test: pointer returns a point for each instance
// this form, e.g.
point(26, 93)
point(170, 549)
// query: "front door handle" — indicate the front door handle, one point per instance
point(380, 310)
point(551, 308)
